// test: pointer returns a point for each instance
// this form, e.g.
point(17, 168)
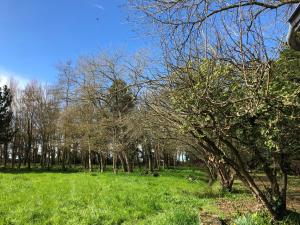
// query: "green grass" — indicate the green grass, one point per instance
point(73, 197)
point(41, 197)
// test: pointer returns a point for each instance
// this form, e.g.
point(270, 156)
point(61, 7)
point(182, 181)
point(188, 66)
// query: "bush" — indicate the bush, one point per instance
point(155, 174)
point(253, 219)
point(264, 219)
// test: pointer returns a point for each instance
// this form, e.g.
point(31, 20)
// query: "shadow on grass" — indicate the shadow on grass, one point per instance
point(213, 194)
point(186, 173)
point(189, 175)
point(240, 191)
point(39, 170)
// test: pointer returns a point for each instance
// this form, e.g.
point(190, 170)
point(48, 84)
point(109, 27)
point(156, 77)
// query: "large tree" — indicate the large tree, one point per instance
point(6, 132)
point(239, 123)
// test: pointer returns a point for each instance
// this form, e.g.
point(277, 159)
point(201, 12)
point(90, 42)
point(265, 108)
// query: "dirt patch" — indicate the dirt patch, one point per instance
point(293, 202)
point(231, 208)
point(293, 199)
point(210, 219)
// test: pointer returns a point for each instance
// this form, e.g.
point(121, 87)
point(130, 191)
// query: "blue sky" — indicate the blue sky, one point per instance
point(37, 34)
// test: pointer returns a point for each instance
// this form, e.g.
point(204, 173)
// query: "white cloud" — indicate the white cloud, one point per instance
point(99, 6)
point(6, 76)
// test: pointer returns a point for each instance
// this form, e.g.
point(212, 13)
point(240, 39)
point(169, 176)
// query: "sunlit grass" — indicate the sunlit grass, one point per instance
point(76, 197)
point(84, 198)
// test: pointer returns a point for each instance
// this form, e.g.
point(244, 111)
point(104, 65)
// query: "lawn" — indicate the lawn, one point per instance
point(41, 197)
point(175, 197)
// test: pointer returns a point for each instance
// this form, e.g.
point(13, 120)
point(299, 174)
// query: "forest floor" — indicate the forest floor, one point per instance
point(175, 197)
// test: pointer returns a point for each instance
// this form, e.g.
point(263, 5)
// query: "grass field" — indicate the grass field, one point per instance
point(82, 198)
point(40, 197)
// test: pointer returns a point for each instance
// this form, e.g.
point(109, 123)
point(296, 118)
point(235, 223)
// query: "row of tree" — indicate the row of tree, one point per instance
point(91, 116)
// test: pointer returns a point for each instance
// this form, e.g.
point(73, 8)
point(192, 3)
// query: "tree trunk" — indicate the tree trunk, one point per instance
point(90, 156)
point(226, 178)
point(53, 156)
point(115, 169)
point(13, 155)
point(48, 160)
point(175, 160)
point(19, 157)
point(123, 162)
point(63, 158)
point(138, 160)
point(212, 172)
point(29, 142)
point(5, 153)
point(101, 162)
point(43, 154)
point(150, 160)
point(128, 163)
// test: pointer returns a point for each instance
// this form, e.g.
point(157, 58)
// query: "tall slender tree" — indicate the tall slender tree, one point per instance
point(6, 114)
